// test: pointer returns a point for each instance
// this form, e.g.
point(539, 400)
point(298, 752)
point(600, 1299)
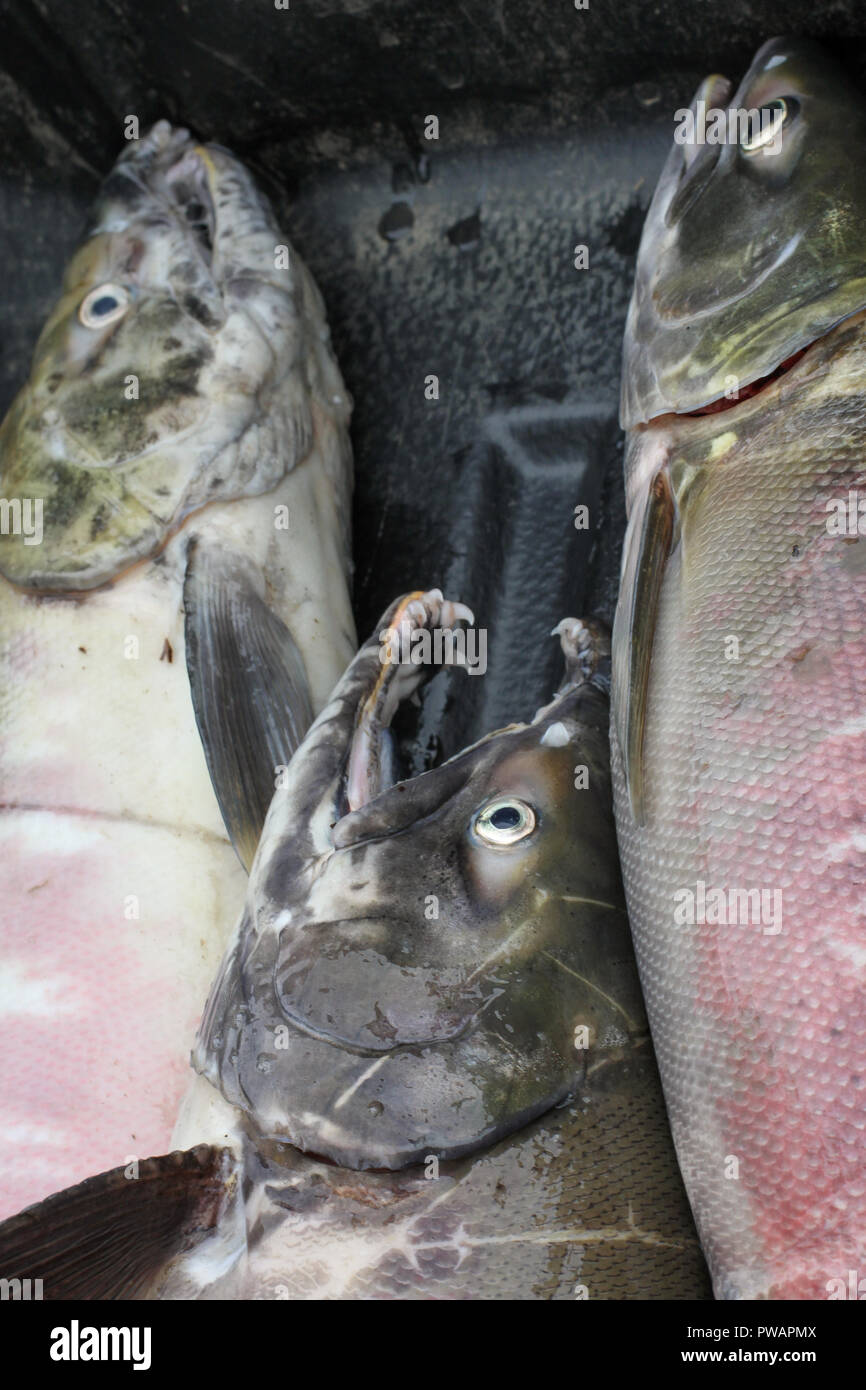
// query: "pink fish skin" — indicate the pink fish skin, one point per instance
point(183, 401)
point(754, 775)
point(739, 671)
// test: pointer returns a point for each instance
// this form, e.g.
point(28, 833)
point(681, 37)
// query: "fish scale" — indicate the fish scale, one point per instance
point(739, 685)
point(582, 1204)
point(759, 1033)
point(125, 628)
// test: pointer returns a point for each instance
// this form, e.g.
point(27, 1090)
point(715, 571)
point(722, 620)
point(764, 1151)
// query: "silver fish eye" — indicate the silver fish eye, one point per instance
point(104, 305)
point(781, 112)
point(504, 821)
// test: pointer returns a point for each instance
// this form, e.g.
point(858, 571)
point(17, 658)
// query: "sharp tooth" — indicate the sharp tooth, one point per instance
point(459, 612)
point(416, 611)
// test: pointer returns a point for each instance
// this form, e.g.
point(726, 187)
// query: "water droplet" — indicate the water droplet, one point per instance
point(376, 1107)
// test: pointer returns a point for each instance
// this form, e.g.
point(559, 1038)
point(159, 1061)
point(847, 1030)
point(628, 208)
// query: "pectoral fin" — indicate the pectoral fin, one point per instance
point(110, 1236)
point(647, 546)
point(249, 689)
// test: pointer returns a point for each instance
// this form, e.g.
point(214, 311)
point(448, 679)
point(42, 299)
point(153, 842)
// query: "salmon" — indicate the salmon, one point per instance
point(739, 673)
point(175, 478)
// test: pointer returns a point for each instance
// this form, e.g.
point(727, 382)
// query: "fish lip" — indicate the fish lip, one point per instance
point(749, 389)
point(755, 386)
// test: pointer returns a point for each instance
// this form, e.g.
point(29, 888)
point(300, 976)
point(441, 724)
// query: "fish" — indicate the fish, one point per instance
point(424, 1068)
point(739, 672)
point(176, 477)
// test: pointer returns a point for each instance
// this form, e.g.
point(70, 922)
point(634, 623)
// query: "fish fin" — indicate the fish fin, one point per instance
point(648, 544)
point(110, 1236)
point(249, 689)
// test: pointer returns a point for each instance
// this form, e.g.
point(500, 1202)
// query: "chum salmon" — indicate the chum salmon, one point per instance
point(424, 1070)
point(176, 479)
point(739, 671)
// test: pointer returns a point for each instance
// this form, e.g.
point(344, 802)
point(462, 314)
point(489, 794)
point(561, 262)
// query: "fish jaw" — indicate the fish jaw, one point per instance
point(200, 386)
point(534, 1217)
point(408, 977)
point(749, 223)
point(755, 756)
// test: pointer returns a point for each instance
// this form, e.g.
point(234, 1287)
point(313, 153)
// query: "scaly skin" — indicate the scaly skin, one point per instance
point(120, 885)
point(407, 1035)
point(755, 769)
point(585, 1203)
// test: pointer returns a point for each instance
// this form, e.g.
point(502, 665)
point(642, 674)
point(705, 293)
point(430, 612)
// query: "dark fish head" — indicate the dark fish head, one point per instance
point(752, 247)
point(159, 381)
point(431, 969)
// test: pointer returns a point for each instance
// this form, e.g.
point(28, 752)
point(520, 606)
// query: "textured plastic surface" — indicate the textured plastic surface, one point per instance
point(451, 257)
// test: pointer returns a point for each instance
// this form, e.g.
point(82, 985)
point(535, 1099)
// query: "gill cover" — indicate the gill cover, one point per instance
point(427, 972)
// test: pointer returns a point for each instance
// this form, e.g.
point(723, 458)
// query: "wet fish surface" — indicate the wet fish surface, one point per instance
point(424, 1071)
point(739, 673)
point(176, 479)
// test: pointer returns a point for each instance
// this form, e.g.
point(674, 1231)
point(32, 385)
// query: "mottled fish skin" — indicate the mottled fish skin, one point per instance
point(204, 387)
point(485, 1199)
point(584, 1203)
point(121, 886)
point(728, 286)
point(753, 767)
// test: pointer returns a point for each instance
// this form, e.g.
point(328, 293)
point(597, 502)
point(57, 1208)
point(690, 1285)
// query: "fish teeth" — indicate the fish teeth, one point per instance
point(436, 608)
point(459, 612)
point(571, 628)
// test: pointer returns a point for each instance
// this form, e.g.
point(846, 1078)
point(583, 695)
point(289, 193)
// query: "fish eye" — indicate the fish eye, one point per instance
point(504, 821)
point(772, 116)
point(104, 305)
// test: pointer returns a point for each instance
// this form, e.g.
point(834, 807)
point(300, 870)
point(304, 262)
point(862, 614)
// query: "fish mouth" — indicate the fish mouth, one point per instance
point(189, 183)
point(387, 1001)
point(371, 765)
point(184, 181)
point(750, 389)
point(165, 180)
point(169, 180)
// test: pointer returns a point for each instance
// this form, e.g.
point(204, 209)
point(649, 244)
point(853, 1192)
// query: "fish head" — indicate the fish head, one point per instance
point(440, 966)
point(752, 246)
point(159, 382)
